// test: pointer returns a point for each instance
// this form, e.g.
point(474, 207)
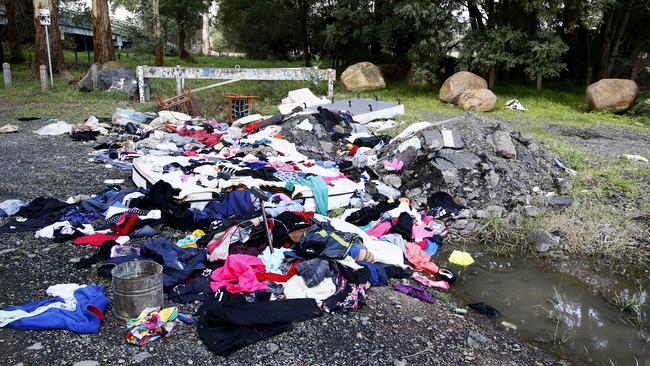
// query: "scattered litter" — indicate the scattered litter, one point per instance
point(114, 181)
point(54, 129)
point(417, 292)
point(461, 258)
point(509, 325)
point(635, 157)
point(558, 163)
point(485, 309)
point(9, 129)
point(516, 105)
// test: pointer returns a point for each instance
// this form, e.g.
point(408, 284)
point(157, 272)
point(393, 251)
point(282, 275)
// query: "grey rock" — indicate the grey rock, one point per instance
point(74, 260)
point(492, 178)
point(433, 139)
point(399, 363)
point(415, 192)
point(494, 211)
point(532, 211)
point(273, 348)
point(543, 240)
point(393, 180)
point(86, 363)
point(455, 159)
point(503, 145)
point(450, 176)
point(524, 139)
point(36, 346)
point(418, 319)
point(479, 337)
point(141, 356)
point(326, 145)
point(464, 214)
point(339, 129)
point(6, 251)
point(559, 201)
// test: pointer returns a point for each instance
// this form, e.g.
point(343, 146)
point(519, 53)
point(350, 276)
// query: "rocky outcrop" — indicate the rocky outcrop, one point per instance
point(478, 100)
point(362, 76)
point(612, 95)
point(458, 83)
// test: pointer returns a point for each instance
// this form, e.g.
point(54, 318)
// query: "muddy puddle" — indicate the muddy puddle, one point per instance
point(559, 312)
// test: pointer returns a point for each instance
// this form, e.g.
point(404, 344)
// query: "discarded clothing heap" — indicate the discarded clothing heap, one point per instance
point(212, 181)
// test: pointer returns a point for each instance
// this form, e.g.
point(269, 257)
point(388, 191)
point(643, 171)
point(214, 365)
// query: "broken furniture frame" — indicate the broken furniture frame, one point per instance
point(230, 75)
point(181, 103)
point(236, 100)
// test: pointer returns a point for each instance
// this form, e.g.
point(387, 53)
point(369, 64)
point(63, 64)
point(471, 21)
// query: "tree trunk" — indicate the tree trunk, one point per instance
point(2, 54)
point(102, 35)
point(40, 46)
point(205, 32)
point(182, 38)
point(157, 32)
point(306, 53)
point(492, 75)
point(15, 48)
point(605, 50)
point(539, 82)
point(620, 31)
point(475, 16)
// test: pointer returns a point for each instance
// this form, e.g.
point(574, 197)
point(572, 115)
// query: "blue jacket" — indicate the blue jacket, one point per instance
point(91, 304)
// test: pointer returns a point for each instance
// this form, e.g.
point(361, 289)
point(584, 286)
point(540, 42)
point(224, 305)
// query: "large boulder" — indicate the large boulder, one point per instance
point(458, 83)
point(612, 95)
point(362, 76)
point(480, 100)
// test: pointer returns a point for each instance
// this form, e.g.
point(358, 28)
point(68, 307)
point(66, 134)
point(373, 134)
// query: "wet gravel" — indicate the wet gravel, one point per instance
point(393, 329)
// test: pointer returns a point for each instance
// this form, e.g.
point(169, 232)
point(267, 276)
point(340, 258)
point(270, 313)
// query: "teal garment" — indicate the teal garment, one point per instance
point(366, 227)
point(318, 188)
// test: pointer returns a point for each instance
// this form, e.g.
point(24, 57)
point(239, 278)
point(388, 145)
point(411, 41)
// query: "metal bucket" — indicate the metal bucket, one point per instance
point(137, 285)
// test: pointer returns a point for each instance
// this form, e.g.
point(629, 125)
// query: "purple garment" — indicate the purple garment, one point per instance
point(414, 291)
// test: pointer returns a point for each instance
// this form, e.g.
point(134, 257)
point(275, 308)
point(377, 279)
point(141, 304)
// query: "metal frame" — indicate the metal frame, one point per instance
point(230, 75)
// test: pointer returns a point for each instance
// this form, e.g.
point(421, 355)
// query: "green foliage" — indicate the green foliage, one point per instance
point(544, 57)
point(260, 28)
point(491, 49)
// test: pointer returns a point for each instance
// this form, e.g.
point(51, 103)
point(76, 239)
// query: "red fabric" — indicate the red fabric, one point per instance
point(125, 224)
point(95, 310)
point(274, 277)
point(95, 240)
point(353, 150)
point(306, 216)
point(202, 136)
point(252, 126)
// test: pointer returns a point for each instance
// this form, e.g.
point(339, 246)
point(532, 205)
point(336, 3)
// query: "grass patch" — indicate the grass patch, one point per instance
point(501, 237)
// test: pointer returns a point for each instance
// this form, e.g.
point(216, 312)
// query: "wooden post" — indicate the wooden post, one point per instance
point(94, 76)
point(6, 73)
point(539, 82)
point(179, 84)
point(45, 83)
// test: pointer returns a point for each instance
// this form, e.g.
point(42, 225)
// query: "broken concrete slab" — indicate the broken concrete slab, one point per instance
point(502, 144)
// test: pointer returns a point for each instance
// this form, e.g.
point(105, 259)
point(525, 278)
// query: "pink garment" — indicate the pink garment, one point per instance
point(443, 285)
point(327, 180)
point(420, 259)
point(395, 165)
point(427, 219)
point(380, 228)
point(285, 167)
point(420, 233)
point(238, 274)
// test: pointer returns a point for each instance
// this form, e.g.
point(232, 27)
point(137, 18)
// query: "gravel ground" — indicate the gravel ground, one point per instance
point(393, 329)
point(605, 140)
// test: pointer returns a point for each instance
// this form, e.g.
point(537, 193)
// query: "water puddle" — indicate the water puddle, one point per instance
point(559, 312)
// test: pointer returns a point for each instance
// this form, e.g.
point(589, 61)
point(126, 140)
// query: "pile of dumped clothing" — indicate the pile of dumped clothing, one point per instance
point(196, 175)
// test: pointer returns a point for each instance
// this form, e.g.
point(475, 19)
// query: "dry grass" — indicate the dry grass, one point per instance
point(595, 229)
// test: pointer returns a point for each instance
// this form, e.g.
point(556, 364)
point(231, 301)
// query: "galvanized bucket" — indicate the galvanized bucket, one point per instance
point(137, 285)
